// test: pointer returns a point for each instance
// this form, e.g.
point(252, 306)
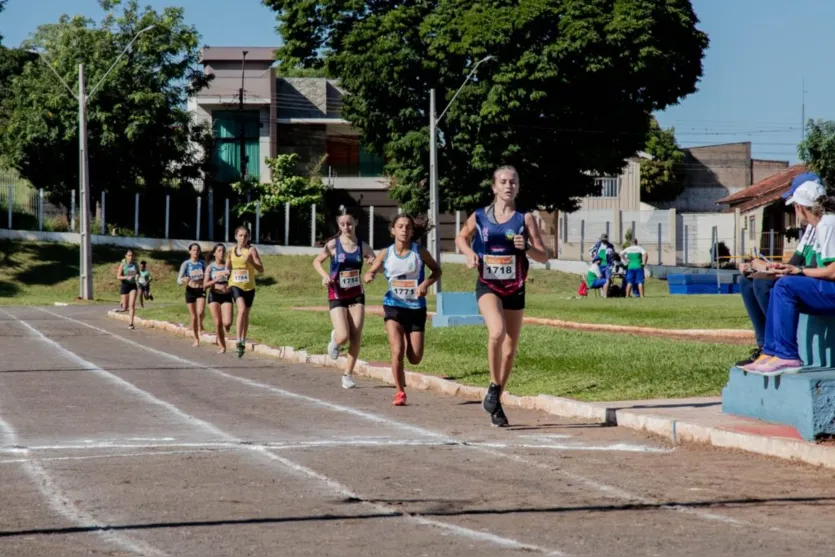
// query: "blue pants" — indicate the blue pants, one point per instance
point(634, 276)
point(791, 297)
point(755, 296)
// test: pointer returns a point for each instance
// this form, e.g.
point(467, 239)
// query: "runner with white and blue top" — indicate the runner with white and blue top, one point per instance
point(216, 280)
point(191, 274)
point(404, 304)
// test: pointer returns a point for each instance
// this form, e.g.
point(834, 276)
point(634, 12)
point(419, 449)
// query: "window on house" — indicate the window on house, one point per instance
point(226, 126)
point(608, 186)
point(752, 228)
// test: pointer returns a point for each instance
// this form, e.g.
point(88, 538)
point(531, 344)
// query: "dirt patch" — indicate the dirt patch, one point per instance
point(723, 336)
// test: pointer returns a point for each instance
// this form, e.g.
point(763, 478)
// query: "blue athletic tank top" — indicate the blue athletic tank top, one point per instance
point(404, 274)
point(346, 273)
point(193, 270)
point(501, 267)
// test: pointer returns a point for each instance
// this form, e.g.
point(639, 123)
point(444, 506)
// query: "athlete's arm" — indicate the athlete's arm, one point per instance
point(206, 281)
point(119, 275)
point(375, 267)
point(463, 241)
point(255, 257)
point(181, 278)
point(327, 251)
point(430, 262)
point(368, 252)
point(537, 251)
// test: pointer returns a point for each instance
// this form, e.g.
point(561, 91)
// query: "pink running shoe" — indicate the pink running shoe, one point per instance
point(754, 367)
point(776, 366)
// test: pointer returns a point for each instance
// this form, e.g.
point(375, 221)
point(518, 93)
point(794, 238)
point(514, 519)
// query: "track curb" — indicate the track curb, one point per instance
point(676, 431)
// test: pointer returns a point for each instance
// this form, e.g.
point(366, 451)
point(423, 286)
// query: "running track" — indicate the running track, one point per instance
point(117, 442)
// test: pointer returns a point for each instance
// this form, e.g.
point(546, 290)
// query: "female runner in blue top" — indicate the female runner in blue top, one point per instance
point(346, 296)
point(504, 240)
point(405, 302)
point(191, 274)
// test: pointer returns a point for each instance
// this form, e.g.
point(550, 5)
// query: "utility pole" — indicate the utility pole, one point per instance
point(86, 290)
point(434, 198)
point(803, 113)
point(244, 160)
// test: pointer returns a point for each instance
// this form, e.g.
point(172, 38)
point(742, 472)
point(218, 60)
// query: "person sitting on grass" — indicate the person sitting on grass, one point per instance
point(756, 282)
point(800, 289)
point(595, 279)
point(636, 258)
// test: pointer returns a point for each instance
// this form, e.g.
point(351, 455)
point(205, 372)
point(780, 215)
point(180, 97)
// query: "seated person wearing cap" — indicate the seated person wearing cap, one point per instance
point(801, 289)
point(756, 281)
point(603, 254)
point(595, 279)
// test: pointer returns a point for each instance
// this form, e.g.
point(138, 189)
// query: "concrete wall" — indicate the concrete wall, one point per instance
point(694, 236)
point(711, 173)
point(302, 97)
point(762, 169)
point(629, 194)
point(579, 231)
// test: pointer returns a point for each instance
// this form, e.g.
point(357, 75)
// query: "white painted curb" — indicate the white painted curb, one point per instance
point(676, 431)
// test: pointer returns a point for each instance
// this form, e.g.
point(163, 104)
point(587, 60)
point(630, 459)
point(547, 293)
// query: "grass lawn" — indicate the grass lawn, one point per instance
point(587, 366)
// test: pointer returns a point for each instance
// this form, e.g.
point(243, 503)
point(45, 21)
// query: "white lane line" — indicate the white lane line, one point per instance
point(610, 490)
point(466, 533)
point(99, 456)
point(337, 443)
point(475, 535)
point(64, 506)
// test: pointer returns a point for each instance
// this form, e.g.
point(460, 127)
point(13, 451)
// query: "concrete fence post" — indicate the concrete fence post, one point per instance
point(103, 223)
point(136, 216)
point(659, 243)
point(686, 242)
point(287, 224)
point(371, 226)
point(197, 226)
point(11, 204)
point(40, 209)
point(582, 239)
point(313, 226)
point(72, 209)
point(167, 214)
point(771, 244)
point(457, 228)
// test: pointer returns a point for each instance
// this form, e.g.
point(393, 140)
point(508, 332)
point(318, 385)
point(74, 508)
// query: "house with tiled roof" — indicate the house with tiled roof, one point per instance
point(763, 216)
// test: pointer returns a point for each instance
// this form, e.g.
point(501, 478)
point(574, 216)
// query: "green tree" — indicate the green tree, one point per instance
point(139, 131)
point(285, 186)
point(817, 150)
point(568, 93)
point(662, 176)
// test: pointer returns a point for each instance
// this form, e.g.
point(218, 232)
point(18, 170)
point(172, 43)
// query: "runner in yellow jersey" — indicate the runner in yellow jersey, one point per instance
point(243, 261)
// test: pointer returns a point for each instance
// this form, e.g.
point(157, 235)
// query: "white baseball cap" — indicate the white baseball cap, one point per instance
point(806, 194)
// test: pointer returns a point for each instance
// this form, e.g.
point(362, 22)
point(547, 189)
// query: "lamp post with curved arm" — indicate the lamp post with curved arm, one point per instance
point(434, 202)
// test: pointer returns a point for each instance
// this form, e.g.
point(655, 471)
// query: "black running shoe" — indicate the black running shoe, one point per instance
point(755, 353)
point(491, 399)
point(241, 348)
point(498, 418)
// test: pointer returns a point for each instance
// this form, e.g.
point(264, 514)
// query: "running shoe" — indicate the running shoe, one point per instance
point(348, 382)
point(498, 418)
point(776, 366)
point(131, 327)
point(755, 354)
point(333, 348)
point(240, 349)
point(491, 399)
point(399, 399)
point(755, 365)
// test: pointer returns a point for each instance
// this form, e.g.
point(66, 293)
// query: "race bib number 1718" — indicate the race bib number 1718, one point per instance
point(499, 267)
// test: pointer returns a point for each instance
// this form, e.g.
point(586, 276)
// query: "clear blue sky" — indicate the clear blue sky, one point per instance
point(760, 52)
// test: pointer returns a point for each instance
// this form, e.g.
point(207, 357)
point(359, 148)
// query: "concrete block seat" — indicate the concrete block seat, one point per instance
point(455, 309)
point(804, 400)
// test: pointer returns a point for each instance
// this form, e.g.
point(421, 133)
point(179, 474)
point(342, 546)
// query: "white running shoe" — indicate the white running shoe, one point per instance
point(348, 382)
point(333, 348)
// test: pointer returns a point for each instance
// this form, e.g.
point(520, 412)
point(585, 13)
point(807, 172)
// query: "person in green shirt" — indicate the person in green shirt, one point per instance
point(595, 279)
point(636, 259)
point(126, 273)
point(144, 282)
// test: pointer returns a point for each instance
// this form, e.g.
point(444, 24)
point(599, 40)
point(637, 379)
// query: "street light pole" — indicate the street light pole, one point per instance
point(434, 199)
point(84, 171)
